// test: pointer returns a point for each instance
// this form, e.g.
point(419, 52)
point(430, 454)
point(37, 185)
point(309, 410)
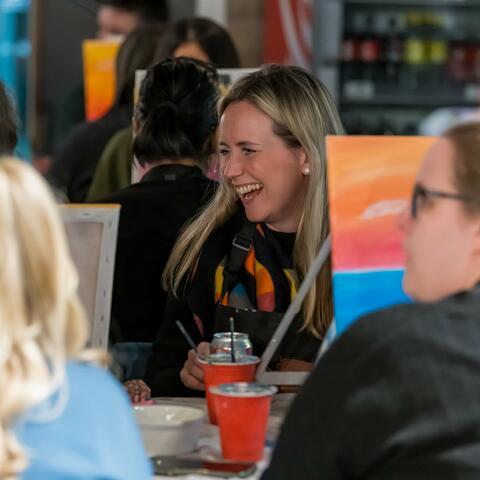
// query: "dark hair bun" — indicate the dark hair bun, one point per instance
point(176, 111)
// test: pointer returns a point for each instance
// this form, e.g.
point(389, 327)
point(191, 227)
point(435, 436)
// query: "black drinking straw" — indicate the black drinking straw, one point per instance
point(232, 343)
point(188, 338)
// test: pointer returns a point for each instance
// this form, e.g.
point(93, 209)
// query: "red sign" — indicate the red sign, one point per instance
point(288, 32)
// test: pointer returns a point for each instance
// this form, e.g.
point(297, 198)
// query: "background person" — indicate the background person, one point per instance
point(201, 38)
point(74, 164)
point(396, 396)
point(198, 38)
point(122, 17)
point(174, 123)
point(59, 414)
point(114, 18)
point(271, 144)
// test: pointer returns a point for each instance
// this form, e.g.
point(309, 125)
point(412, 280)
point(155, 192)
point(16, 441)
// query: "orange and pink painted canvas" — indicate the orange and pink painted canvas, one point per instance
point(370, 180)
point(99, 74)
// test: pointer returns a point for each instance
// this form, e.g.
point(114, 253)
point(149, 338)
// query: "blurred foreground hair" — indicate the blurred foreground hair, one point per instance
point(41, 319)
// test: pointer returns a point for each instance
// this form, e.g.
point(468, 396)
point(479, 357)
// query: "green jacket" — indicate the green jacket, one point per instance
point(114, 170)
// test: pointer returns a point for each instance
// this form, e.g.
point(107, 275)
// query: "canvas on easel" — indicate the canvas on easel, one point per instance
point(370, 179)
point(91, 232)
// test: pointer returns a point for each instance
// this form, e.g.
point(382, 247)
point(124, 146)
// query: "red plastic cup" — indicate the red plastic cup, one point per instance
point(219, 368)
point(242, 412)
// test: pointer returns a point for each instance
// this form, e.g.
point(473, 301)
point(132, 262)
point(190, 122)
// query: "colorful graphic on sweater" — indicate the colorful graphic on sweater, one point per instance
point(370, 181)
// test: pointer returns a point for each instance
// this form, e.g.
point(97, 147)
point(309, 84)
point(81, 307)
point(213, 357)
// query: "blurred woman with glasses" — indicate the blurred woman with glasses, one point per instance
point(396, 396)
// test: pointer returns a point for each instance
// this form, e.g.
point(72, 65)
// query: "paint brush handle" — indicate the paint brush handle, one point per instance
point(189, 339)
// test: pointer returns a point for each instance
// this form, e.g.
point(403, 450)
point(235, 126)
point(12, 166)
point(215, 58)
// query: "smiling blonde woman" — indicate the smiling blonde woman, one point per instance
point(51, 426)
point(271, 201)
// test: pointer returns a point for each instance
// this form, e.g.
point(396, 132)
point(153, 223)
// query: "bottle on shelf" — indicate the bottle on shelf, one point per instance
point(458, 61)
point(359, 55)
point(475, 60)
point(393, 49)
point(438, 49)
point(350, 54)
point(415, 52)
point(370, 51)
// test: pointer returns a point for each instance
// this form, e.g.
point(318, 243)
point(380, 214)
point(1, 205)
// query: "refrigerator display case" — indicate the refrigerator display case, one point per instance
point(391, 63)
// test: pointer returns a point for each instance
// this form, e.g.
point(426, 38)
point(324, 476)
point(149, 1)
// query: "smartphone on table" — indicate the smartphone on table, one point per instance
point(171, 466)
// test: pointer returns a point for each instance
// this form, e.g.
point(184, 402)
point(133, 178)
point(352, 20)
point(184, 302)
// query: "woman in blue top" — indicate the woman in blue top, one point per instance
point(61, 417)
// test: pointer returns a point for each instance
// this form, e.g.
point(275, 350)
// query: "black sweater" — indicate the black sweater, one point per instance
point(396, 397)
point(151, 217)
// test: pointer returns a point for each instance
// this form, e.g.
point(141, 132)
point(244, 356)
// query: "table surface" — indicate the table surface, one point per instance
point(209, 443)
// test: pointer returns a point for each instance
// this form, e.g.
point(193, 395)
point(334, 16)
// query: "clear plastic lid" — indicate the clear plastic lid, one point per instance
point(244, 389)
point(225, 358)
point(227, 335)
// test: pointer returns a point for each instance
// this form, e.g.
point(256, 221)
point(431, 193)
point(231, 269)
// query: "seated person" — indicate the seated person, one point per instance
point(198, 38)
point(8, 123)
point(61, 416)
point(173, 123)
point(74, 164)
point(396, 396)
point(117, 18)
point(272, 202)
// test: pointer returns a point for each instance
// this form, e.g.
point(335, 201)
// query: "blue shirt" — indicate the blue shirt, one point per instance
point(93, 437)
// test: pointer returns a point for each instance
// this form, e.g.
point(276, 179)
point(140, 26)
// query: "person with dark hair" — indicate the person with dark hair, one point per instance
point(173, 127)
point(121, 17)
point(396, 396)
point(74, 164)
point(197, 38)
point(8, 123)
point(201, 38)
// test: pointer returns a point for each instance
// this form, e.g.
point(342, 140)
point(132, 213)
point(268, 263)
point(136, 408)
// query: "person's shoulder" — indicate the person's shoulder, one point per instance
point(118, 146)
point(231, 226)
point(416, 324)
point(414, 317)
point(388, 324)
point(122, 195)
point(87, 377)
point(99, 404)
point(76, 137)
point(86, 371)
point(393, 319)
point(216, 246)
point(123, 135)
point(220, 239)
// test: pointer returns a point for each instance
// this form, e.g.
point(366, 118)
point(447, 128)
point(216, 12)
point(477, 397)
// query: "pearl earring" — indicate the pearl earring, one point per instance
point(306, 171)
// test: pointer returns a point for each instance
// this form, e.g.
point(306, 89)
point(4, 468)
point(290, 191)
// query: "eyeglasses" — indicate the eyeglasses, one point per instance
point(421, 194)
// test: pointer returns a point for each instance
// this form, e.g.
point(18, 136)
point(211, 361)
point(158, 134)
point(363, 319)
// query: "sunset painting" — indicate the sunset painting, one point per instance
point(370, 179)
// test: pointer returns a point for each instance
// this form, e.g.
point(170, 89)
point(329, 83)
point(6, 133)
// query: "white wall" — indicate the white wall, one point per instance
point(214, 9)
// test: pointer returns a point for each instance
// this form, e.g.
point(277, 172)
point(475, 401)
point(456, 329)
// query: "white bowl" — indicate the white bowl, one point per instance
point(169, 429)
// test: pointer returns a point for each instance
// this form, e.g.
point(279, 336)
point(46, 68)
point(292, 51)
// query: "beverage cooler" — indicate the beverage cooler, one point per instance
point(393, 66)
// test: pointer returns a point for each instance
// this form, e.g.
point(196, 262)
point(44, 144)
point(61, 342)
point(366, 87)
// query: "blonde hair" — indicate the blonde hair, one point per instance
point(303, 113)
point(42, 323)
